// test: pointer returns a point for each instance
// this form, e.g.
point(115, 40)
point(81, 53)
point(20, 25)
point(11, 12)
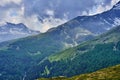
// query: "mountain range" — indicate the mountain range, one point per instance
point(11, 31)
point(101, 52)
point(47, 54)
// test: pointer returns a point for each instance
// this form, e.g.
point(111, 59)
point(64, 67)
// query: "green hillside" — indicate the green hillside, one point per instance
point(25, 56)
point(111, 73)
point(108, 38)
point(90, 56)
point(41, 56)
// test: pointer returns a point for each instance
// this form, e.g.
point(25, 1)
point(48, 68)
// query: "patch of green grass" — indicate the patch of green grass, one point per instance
point(64, 56)
point(111, 73)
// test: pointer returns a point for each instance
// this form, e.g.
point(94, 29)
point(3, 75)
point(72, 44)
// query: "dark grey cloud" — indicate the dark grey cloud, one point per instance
point(71, 8)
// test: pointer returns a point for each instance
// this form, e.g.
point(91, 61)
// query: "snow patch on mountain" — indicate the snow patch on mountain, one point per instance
point(82, 33)
point(67, 45)
point(117, 21)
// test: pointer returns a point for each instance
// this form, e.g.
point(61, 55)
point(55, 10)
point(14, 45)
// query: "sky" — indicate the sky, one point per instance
point(42, 15)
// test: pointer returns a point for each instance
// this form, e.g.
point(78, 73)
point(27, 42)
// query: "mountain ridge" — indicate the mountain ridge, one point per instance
point(31, 56)
point(107, 37)
point(89, 56)
point(11, 31)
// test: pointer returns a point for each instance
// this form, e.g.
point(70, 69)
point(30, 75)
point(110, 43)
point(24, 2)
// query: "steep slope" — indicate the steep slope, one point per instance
point(13, 31)
point(111, 73)
point(28, 58)
point(100, 23)
point(106, 38)
point(89, 56)
point(20, 57)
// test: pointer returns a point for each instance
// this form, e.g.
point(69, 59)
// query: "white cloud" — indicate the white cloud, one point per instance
point(13, 15)
point(100, 8)
point(47, 23)
point(17, 16)
point(113, 2)
point(32, 22)
point(2, 22)
point(50, 12)
point(97, 9)
point(51, 22)
point(84, 13)
point(4, 2)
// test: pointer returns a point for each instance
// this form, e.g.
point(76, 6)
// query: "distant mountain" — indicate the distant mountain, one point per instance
point(12, 31)
point(111, 73)
point(37, 56)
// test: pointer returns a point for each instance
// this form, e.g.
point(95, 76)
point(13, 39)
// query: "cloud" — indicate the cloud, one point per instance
point(114, 2)
point(55, 12)
point(12, 14)
point(60, 7)
point(47, 23)
point(5, 2)
point(101, 7)
point(50, 12)
point(46, 8)
point(97, 9)
point(16, 15)
point(51, 22)
point(44, 14)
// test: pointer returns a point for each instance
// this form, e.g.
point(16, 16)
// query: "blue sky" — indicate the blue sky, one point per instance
point(44, 14)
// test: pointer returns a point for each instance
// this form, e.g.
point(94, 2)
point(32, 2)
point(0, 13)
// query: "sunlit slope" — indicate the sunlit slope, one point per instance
point(111, 73)
point(89, 56)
